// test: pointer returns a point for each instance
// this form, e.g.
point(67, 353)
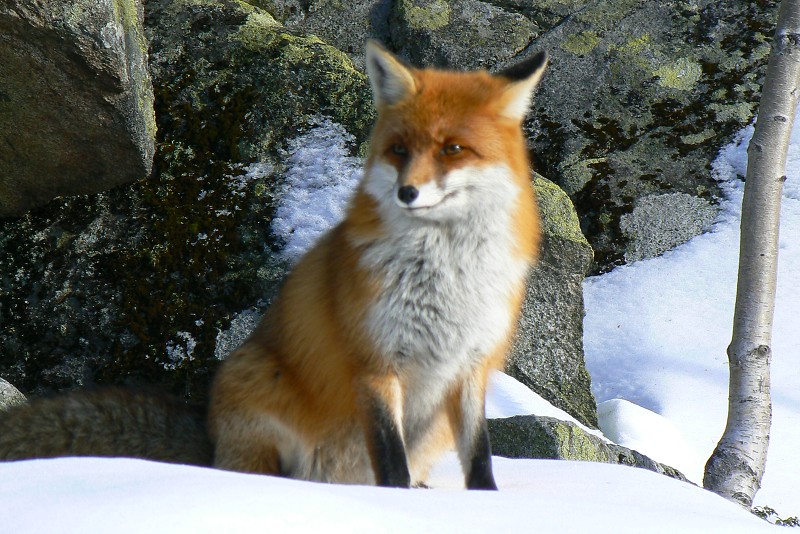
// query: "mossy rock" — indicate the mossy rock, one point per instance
point(344, 24)
point(532, 436)
point(237, 83)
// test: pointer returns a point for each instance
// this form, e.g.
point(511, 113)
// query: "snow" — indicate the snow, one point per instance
point(93, 495)
point(637, 428)
point(655, 339)
point(320, 179)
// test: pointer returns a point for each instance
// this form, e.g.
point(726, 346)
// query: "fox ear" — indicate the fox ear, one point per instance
point(390, 78)
point(523, 79)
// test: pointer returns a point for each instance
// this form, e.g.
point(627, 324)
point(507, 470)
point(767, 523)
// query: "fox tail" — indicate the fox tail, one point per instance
point(106, 422)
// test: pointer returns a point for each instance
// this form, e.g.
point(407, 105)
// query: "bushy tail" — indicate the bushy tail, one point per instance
point(106, 422)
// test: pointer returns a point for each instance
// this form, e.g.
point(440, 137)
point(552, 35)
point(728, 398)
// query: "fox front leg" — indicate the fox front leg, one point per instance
point(382, 421)
point(468, 419)
point(479, 473)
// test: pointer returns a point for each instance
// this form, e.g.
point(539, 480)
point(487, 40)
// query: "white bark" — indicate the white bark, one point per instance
point(737, 465)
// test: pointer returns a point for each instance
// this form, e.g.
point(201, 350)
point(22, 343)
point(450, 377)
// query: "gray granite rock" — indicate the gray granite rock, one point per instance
point(547, 354)
point(76, 101)
point(9, 395)
point(659, 223)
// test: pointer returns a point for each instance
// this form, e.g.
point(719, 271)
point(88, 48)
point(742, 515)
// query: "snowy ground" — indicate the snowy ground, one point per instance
point(86, 496)
point(655, 336)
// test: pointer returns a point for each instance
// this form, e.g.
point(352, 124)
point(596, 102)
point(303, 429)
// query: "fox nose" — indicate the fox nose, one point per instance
point(407, 194)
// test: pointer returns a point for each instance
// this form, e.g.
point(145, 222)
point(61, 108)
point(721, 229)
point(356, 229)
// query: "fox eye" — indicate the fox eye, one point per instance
point(452, 150)
point(399, 150)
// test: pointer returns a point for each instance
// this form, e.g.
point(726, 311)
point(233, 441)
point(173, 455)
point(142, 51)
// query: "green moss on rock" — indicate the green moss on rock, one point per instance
point(581, 43)
point(682, 74)
point(429, 16)
point(558, 214)
point(258, 32)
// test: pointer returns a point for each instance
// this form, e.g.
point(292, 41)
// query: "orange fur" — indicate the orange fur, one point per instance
point(299, 397)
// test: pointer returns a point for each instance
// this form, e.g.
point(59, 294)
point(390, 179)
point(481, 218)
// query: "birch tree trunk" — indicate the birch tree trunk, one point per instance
point(736, 467)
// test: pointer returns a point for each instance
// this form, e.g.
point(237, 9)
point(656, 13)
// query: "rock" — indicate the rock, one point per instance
point(463, 34)
point(532, 436)
point(547, 355)
point(659, 223)
point(76, 101)
point(10, 396)
point(235, 83)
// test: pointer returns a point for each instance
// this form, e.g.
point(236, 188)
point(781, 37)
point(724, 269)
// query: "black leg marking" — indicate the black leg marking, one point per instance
point(480, 474)
point(387, 450)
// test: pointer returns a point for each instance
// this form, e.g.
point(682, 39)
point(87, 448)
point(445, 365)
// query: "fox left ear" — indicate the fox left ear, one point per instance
point(391, 79)
point(523, 79)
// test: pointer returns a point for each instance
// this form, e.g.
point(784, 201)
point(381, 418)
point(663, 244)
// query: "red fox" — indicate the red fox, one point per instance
point(374, 357)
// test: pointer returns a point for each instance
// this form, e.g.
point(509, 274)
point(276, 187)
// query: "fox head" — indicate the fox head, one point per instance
point(444, 140)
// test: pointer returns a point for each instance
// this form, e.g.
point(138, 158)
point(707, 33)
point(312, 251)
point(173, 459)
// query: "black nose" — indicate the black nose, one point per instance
point(407, 194)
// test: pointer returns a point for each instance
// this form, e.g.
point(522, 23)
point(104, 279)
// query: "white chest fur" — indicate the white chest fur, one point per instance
point(446, 286)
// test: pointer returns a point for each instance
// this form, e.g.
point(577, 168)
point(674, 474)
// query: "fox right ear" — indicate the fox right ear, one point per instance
point(523, 79)
point(390, 78)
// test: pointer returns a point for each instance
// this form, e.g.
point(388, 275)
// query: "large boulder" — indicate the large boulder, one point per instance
point(547, 354)
point(235, 83)
point(76, 101)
